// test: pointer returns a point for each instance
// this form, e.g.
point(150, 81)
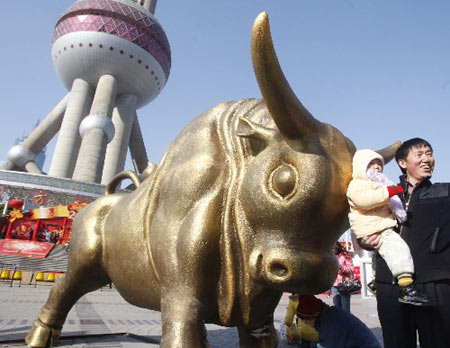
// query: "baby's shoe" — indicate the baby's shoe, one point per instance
point(411, 295)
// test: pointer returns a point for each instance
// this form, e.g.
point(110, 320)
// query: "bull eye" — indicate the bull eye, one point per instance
point(283, 180)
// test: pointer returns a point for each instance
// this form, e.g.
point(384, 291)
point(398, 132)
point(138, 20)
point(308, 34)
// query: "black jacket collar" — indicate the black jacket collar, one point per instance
point(404, 183)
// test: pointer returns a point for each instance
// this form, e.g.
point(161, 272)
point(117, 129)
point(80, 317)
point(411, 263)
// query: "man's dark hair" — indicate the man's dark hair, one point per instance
point(403, 151)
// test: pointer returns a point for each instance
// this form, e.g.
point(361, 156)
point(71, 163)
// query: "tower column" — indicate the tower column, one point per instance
point(137, 146)
point(21, 154)
point(116, 152)
point(32, 167)
point(47, 129)
point(96, 131)
point(69, 140)
point(150, 5)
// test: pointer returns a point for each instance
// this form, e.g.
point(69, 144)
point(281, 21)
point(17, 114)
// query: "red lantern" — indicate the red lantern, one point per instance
point(16, 203)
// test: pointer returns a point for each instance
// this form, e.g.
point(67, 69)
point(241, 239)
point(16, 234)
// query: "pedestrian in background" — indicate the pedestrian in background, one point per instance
point(342, 300)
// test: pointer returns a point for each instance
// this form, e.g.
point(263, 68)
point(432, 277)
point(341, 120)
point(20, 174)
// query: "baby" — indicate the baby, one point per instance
point(373, 204)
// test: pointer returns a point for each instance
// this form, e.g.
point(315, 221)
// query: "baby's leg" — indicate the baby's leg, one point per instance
point(397, 255)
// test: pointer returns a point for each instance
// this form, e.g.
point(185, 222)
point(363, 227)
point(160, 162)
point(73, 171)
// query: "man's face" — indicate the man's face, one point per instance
point(419, 164)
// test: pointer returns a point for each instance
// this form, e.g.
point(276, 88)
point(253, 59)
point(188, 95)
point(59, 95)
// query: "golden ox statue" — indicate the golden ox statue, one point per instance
point(247, 202)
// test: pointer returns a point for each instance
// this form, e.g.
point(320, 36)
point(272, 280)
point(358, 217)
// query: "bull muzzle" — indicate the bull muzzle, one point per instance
point(307, 272)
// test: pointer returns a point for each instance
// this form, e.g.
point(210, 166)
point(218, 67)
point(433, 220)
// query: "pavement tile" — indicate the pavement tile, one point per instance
point(106, 313)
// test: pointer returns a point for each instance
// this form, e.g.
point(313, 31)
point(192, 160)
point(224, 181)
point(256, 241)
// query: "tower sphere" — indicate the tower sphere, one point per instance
point(115, 37)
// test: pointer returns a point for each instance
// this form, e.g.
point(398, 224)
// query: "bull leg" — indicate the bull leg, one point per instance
point(262, 337)
point(185, 239)
point(63, 295)
point(188, 282)
point(182, 326)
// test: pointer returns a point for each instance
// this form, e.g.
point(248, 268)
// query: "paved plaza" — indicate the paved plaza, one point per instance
point(104, 319)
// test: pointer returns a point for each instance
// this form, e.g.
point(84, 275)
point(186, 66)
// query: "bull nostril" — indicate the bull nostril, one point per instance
point(279, 270)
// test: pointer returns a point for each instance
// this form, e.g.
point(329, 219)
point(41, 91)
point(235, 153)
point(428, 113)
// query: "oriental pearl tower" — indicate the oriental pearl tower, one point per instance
point(114, 57)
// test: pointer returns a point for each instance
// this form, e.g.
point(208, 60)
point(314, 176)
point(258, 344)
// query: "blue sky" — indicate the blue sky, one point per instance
point(377, 70)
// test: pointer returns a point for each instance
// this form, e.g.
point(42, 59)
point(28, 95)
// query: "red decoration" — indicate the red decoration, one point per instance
point(15, 214)
point(80, 199)
point(25, 248)
point(16, 203)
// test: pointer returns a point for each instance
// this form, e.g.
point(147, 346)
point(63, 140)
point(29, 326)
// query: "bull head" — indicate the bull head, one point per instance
point(291, 203)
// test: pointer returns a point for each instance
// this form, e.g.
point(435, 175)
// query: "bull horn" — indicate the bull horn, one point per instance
point(290, 116)
point(388, 152)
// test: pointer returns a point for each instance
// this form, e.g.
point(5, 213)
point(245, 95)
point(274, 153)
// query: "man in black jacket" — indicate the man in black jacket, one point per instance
point(427, 232)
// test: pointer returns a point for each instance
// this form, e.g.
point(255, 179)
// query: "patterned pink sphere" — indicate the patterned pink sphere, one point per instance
point(116, 37)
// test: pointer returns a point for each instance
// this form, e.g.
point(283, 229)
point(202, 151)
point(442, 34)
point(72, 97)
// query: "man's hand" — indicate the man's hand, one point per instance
point(372, 241)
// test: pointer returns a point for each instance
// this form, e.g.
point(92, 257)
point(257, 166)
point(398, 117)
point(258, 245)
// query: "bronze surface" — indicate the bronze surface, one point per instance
point(247, 202)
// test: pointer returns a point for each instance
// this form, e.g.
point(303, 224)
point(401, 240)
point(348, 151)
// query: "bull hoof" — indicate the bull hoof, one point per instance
point(42, 336)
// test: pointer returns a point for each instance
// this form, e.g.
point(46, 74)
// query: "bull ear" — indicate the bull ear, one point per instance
point(290, 116)
point(388, 153)
point(249, 129)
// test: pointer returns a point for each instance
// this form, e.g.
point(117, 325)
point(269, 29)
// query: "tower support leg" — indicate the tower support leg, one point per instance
point(116, 152)
point(96, 131)
point(137, 147)
point(69, 140)
point(19, 155)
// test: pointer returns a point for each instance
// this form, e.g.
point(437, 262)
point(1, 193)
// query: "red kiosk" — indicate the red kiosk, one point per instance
point(34, 233)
